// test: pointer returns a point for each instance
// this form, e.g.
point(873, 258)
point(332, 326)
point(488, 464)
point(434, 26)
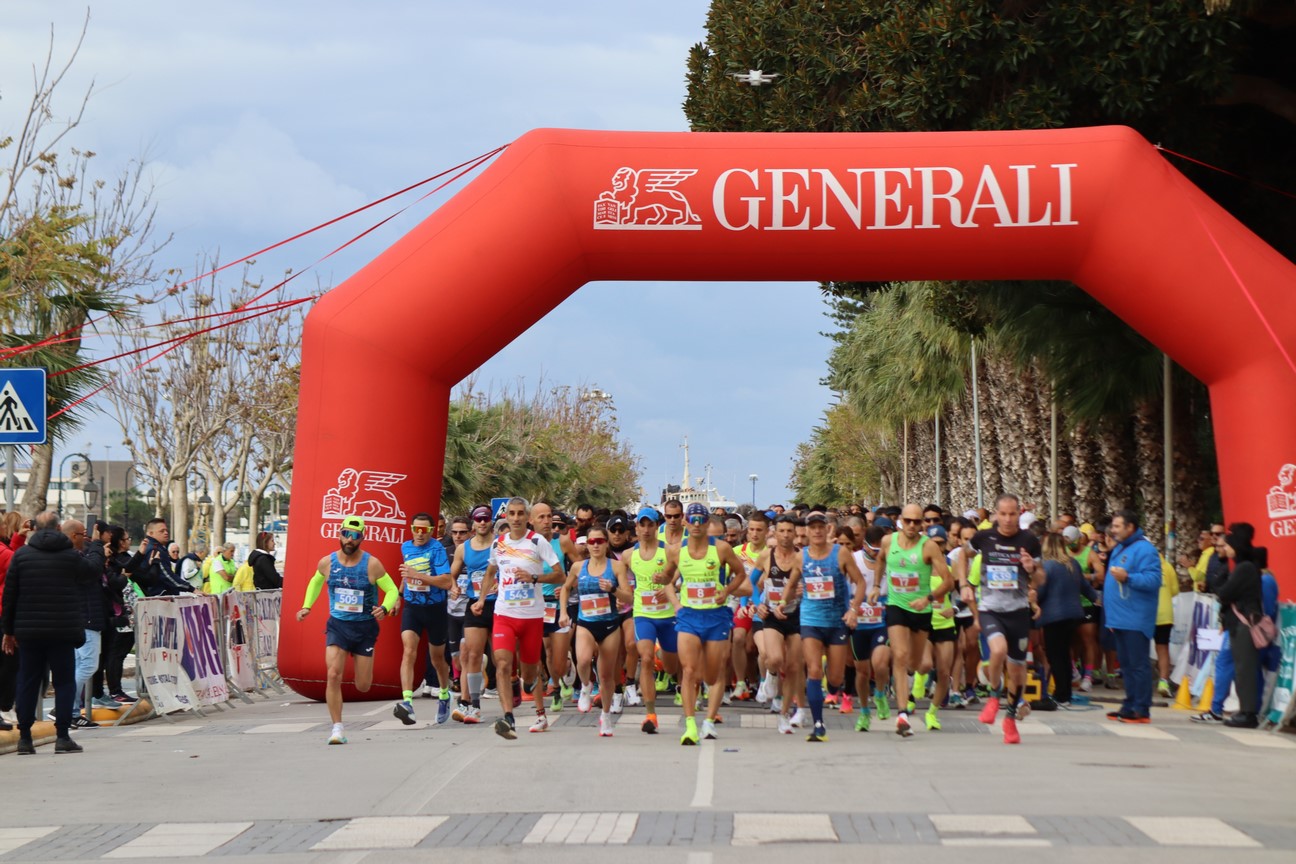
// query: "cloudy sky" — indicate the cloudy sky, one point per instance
point(258, 120)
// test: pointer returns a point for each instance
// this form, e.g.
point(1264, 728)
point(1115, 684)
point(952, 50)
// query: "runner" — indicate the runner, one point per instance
point(779, 610)
point(869, 639)
point(827, 617)
point(702, 615)
point(517, 564)
point(425, 573)
point(601, 584)
point(940, 642)
point(557, 638)
point(906, 563)
point(745, 631)
point(460, 529)
point(353, 580)
point(672, 531)
point(469, 572)
point(654, 611)
point(1009, 569)
point(620, 542)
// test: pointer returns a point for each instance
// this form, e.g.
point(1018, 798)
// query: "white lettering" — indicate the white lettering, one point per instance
point(753, 203)
point(1283, 528)
point(854, 207)
point(881, 197)
point(989, 184)
point(780, 197)
point(1064, 193)
point(929, 196)
point(1024, 199)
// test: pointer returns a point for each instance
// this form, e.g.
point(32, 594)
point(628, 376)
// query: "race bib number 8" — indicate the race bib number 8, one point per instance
point(1001, 578)
point(348, 600)
point(700, 593)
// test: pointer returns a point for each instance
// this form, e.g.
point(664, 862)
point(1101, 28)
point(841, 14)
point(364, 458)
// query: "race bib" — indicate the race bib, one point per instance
point(595, 605)
point(348, 600)
point(774, 596)
point(418, 587)
point(700, 593)
point(871, 614)
point(516, 594)
point(902, 582)
point(654, 601)
point(551, 613)
point(477, 581)
point(820, 589)
point(1001, 578)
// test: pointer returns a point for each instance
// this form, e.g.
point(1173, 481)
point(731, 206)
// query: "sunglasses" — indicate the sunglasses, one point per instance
point(459, 531)
point(419, 529)
point(697, 520)
point(931, 520)
point(595, 541)
point(905, 521)
point(481, 519)
point(674, 515)
point(352, 535)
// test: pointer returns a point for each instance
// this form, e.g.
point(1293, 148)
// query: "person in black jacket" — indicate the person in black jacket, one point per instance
point(262, 561)
point(92, 593)
point(43, 621)
point(158, 577)
point(1243, 590)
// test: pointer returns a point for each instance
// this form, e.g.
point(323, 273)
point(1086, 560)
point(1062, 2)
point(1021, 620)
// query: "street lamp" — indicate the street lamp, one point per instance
point(126, 492)
point(150, 498)
point(245, 502)
point(85, 466)
point(275, 491)
point(753, 478)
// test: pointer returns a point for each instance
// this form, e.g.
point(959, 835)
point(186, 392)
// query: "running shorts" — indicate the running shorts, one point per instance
point(1012, 626)
point(522, 636)
point(353, 637)
point(918, 622)
point(864, 641)
point(709, 625)
point(827, 635)
point(427, 618)
point(659, 630)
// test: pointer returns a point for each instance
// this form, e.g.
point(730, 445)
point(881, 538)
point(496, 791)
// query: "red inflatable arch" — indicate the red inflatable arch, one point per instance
point(1098, 206)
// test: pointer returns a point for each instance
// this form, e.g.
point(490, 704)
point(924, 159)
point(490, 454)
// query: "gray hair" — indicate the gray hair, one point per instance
point(518, 500)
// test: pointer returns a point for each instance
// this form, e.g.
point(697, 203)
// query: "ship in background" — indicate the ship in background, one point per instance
point(701, 493)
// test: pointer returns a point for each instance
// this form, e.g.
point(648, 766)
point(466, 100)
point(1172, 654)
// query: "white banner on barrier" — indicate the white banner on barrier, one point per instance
point(159, 636)
point(267, 609)
point(1192, 656)
point(201, 659)
point(238, 650)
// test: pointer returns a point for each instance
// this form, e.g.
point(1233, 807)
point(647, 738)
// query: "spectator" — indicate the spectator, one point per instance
point(1217, 568)
point(1061, 611)
point(121, 597)
point(92, 604)
point(1130, 595)
point(221, 569)
point(156, 573)
point(1198, 565)
point(43, 621)
point(190, 565)
point(265, 576)
point(1244, 592)
point(12, 526)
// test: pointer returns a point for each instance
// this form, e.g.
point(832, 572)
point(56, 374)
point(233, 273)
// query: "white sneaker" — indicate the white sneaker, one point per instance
point(785, 727)
point(585, 701)
point(605, 725)
point(762, 692)
point(490, 693)
point(798, 717)
point(740, 691)
point(541, 724)
point(617, 702)
point(427, 692)
point(776, 705)
point(709, 730)
point(632, 696)
point(337, 736)
point(725, 699)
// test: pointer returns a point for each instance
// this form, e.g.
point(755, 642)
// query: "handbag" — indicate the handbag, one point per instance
point(1263, 631)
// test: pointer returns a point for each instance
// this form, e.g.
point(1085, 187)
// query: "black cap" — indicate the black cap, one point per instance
point(617, 523)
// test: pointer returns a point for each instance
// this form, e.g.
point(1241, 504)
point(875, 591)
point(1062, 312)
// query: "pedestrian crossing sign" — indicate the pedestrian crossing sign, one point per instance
point(498, 506)
point(22, 406)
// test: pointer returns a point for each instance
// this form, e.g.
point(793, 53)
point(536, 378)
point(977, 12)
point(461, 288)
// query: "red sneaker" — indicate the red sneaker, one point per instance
point(990, 711)
point(1134, 719)
point(1011, 735)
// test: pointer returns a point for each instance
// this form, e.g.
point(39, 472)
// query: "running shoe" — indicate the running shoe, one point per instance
point(426, 691)
point(830, 699)
point(618, 701)
point(724, 700)
point(990, 711)
point(1135, 718)
point(605, 725)
point(632, 699)
point(679, 699)
point(586, 699)
point(541, 724)
point(490, 693)
point(337, 736)
point(1207, 717)
point(471, 716)
point(568, 692)
point(443, 710)
point(556, 703)
point(763, 692)
point(709, 730)
point(662, 682)
point(690, 736)
point(1116, 715)
point(649, 726)
point(457, 714)
point(404, 712)
point(971, 697)
point(80, 721)
point(1086, 684)
point(797, 718)
point(776, 705)
point(550, 688)
point(862, 723)
point(741, 691)
point(504, 729)
point(846, 706)
point(955, 700)
point(883, 707)
point(818, 733)
point(785, 726)
point(933, 722)
point(1011, 735)
point(124, 698)
point(1023, 710)
point(902, 726)
point(910, 706)
point(105, 702)
point(1163, 687)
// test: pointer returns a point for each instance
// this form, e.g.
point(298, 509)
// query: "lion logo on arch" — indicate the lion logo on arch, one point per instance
point(365, 494)
point(646, 199)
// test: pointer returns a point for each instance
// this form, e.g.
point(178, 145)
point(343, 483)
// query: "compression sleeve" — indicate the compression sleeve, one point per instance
point(313, 589)
point(390, 593)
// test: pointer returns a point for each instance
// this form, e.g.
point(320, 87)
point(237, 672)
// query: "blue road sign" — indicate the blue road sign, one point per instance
point(22, 406)
point(498, 506)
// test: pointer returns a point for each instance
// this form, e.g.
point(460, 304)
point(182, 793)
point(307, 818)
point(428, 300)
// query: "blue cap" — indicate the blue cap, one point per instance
point(648, 513)
point(883, 522)
point(937, 532)
point(696, 509)
point(771, 515)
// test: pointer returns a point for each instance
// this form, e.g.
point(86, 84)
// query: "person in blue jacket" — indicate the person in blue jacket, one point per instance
point(1130, 593)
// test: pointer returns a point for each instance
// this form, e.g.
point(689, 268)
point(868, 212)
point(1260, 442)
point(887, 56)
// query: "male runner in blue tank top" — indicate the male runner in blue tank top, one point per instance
point(467, 571)
point(353, 580)
point(425, 575)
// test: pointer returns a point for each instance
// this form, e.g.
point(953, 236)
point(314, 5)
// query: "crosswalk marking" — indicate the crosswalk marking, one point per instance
point(995, 841)
point(396, 726)
point(1032, 727)
point(155, 729)
point(280, 728)
point(14, 838)
point(1191, 831)
point(753, 829)
point(381, 832)
point(1149, 733)
point(180, 840)
point(958, 823)
point(1251, 738)
point(613, 829)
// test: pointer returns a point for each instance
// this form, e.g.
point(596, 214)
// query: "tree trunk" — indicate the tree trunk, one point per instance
point(35, 498)
point(1148, 476)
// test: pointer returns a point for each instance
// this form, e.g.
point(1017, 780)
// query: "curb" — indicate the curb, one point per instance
point(43, 730)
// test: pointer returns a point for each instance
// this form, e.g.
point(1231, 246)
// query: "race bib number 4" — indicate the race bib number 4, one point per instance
point(903, 583)
point(595, 605)
point(1001, 578)
point(700, 593)
point(653, 601)
point(348, 600)
point(820, 589)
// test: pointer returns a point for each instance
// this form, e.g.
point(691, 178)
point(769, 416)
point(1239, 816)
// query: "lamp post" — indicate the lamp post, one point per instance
point(91, 492)
point(126, 491)
point(86, 467)
point(275, 491)
point(753, 478)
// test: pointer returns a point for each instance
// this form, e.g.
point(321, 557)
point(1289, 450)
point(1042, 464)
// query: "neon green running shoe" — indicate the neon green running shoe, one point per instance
point(690, 736)
point(679, 699)
point(933, 722)
point(862, 724)
point(883, 709)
